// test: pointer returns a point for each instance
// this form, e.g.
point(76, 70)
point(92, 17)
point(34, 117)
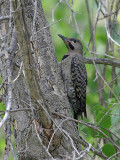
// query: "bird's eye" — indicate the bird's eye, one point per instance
point(74, 41)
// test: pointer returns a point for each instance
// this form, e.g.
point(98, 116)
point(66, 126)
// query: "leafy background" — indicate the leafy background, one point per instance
point(95, 111)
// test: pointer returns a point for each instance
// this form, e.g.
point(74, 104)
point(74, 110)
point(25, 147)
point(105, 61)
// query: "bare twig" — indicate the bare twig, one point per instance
point(82, 141)
point(20, 70)
point(48, 26)
point(103, 61)
point(9, 102)
point(114, 155)
point(58, 127)
point(107, 25)
point(85, 151)
point(108, 83)
point(34, 17)
point(11, 145)
point(40, 140)
point(53, 10)
point(4, 18)
point(95, 127)
point(71, 140)
point(13, 43)
point(8, 139)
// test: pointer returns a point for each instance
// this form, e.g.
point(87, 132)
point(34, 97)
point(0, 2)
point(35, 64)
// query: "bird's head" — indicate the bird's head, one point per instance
point(72, 44)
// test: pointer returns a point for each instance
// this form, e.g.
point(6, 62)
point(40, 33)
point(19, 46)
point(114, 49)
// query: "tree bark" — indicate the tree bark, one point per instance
point(37, 90)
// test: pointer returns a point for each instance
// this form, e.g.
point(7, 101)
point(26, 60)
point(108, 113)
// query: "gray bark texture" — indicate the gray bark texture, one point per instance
point(38, 90)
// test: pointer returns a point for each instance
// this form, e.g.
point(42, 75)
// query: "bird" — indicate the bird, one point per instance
point(74, 75)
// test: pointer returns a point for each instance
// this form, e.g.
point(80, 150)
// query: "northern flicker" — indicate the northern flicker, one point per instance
point(74, 76)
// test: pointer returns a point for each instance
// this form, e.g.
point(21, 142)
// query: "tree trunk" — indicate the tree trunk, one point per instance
point(37, 86)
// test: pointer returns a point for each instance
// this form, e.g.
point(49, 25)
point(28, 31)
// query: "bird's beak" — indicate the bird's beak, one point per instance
point(65, 39)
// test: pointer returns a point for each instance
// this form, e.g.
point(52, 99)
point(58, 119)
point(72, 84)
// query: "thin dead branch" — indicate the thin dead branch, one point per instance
point(4, 18)
point(103, 61)
point(9, 101)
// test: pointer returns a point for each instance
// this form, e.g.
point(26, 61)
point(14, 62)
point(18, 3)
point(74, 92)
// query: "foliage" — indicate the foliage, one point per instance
point(108, 150)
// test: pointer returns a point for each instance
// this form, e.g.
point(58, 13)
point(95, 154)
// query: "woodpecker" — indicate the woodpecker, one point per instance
point(74, 76)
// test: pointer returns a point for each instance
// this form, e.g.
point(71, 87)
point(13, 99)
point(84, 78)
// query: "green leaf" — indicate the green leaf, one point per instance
point(108, 149)
point(2, 106)
point(103, 120)
point(97, 134)
point(111, 102)
point(116, 115)
point(94, 133)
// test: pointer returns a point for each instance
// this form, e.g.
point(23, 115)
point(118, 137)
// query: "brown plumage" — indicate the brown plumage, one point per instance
point(75, 76)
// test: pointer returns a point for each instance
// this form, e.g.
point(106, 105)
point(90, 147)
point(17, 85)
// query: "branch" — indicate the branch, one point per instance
point(13, 43)
point(11, 145)
point(10, 95)
point(104, 61)
point(114, 155)
point(40, 140)
point(4, 18)
point(8, 139)
point(85, 143)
